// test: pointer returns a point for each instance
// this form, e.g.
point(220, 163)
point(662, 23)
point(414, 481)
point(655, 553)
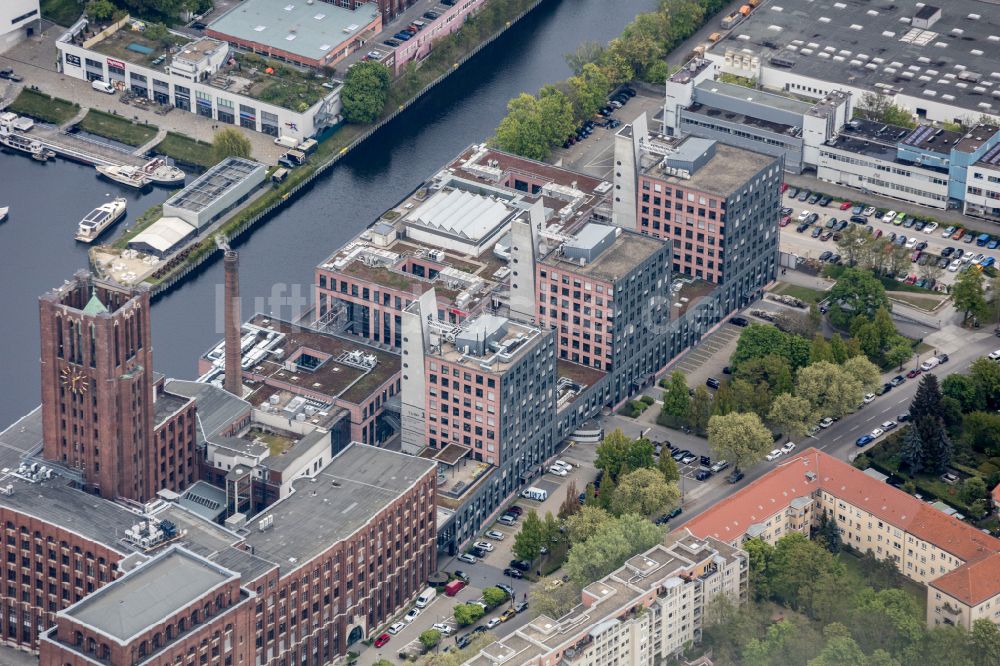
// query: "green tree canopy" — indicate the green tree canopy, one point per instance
point(699, 410)
point(758, 341)
point(856, 293)
point(863, 370)
point(430, 638)
point(644, 492)
point(466, 614)
point(494, 596)
point(230, 142)
point(589, 520)
point(771, 369)
point(967, 294)
point(606, 549)
point(617, 454)
point(529, 540)
point(791, 415)
point(676, 399)
point(739, 438)
point(366, 88)
point(829, 388)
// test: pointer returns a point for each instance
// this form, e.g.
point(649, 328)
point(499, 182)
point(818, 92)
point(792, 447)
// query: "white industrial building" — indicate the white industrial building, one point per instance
point(18, 19)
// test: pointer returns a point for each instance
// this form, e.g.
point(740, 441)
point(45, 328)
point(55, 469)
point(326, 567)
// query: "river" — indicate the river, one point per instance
point(37, 250)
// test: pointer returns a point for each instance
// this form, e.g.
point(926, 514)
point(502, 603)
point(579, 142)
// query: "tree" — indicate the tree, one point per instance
point(863, 370)
point(911, 454)
point(466, 614)
point(790, 414)
point(668, 467)
point(100, 10)
point(555, 113)
point(829, 533)
point(157, 32)
point(550, 528)
point(382, 662)
point(973, 488)
point(838, 349)
point(644, 492)
point(430, 638)
point(985, 375)
point(589, 520)
point(571, 504)
point(840, 651)
point(927, 400)
point(820, 349)
point(771, 369)
point(967, 294)
point(551, 600)
point(230, 142)
point(758, 340)
point(607, 548)
point(588, 90)
point(985, 637)
point(899, 352)
point(617, 454)
point(739, 438)
point(494, 596)
point(676, 399)
point(366, 88)
point(749, 398)
point(699, 410)
point(586, 53)
point(796, 323)
point(981, 432)
point(529, 540)
point(829, 388)
point(963, 389)
point(798, 569)
point(857, 293)
point(879, 107)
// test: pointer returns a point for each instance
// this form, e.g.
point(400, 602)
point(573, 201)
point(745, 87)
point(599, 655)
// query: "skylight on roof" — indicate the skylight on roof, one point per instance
point(261, 28)
point(325, 47)
point(973, 17)
point(872, 12)
point(824, 19)
point(290, 37)
point(940, 45)
point(319, 17)
point(888, 33)
point(855, 26)
point(976, 52)
point(776, 8)
point(840, 5)
point(775, 28)
point(289, 8)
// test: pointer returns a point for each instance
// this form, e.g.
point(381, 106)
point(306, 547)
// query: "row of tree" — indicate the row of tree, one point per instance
point(856, 617)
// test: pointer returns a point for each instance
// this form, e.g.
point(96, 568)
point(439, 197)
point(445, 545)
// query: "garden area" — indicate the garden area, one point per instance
point(950, 448)
point(805, 294)
point(61, 12)
point(43, 108)
point(186, 150)
point(117, 128)
point(633, 408)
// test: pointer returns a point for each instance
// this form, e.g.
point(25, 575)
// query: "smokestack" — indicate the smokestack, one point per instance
point(234, 370)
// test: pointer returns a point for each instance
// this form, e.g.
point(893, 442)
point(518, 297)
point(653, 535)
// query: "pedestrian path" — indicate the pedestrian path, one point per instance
point(146, 147)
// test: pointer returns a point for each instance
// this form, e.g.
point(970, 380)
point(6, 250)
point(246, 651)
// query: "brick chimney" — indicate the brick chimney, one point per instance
point(234, 370)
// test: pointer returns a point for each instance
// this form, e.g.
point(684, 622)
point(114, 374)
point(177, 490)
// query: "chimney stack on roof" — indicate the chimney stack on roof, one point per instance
point(234, 370)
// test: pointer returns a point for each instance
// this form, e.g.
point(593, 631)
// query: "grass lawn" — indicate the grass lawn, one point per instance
point(186, 150)
point(117, 128)
point(277, 444)
point(807, 294)
point(43, 107)
point(62, 12)
point(891, 284)
point(928, 303)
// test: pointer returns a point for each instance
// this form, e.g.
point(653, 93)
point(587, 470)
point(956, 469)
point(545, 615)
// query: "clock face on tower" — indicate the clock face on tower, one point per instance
point(74, 380)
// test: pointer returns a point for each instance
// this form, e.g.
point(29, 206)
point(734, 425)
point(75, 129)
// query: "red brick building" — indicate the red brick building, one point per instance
point(98, 401)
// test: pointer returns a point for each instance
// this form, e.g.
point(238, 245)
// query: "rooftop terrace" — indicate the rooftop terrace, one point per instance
point(727, 170)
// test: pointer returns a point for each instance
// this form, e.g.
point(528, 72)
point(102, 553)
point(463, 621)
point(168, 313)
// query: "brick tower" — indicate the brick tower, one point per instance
point(97, 385)
point(234, 370)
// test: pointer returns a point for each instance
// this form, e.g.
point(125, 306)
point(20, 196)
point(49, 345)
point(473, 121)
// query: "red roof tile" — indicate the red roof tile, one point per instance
point(973, 583)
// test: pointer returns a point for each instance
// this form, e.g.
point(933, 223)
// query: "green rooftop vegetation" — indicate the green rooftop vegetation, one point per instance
point(281, 85)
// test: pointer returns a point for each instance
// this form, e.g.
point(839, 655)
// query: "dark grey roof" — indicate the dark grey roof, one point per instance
point(864, 44)
point(281, 462)
point(359, 482)
point(217, 408)
point(55, 502)
point(249, 566)
point(149, 594)
point(204, 499)
point(197, 534)
point(23, 437)
point(167, 404)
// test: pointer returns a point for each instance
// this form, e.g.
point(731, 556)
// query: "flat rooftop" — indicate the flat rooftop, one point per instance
point(873, 45)
point(217, 408)
point(932, 139)
point(517, 339)
point(335, 375)
point(131, 46)
point(728, 169)
point(761, 97)
point(310, 30)
point(167, 404)
point(700, 109)
point(213, 184)
point(149, 594)
point(626, 252)
point(358, 483)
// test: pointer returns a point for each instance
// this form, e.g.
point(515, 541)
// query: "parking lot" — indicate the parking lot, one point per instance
point(710, 356)
point(806, 244)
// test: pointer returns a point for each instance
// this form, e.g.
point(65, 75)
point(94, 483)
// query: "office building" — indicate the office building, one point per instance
point(18, 19)
point(717, 205)
point(956, 561)
point(205, 76)
point(651, 609)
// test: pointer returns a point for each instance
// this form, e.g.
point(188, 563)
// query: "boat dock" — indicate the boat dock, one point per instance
point(78, 149)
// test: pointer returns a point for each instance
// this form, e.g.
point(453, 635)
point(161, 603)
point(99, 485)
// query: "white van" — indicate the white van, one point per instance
point(426, 597)
point(929, 364)
point(287, 141)
point(102, 86)
point(536, 494)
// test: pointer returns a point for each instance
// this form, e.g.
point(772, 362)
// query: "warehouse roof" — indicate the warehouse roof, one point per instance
point(862, 44)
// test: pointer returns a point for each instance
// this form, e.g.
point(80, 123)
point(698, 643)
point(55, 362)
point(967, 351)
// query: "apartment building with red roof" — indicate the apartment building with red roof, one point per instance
point(959, 564)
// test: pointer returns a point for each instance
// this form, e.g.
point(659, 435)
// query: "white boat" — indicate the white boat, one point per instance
point(3, 212)
point(162, 173)
point(126, 175)
point(100, 219)
point(25, 145)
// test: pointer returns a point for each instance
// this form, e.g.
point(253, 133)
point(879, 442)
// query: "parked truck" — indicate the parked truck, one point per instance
point(714, 37)
point(732, 20)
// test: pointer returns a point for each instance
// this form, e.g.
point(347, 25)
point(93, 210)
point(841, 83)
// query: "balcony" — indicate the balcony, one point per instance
point(948, 608)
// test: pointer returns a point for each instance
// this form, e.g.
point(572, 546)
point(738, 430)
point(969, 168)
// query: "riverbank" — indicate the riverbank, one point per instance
point(433, 70)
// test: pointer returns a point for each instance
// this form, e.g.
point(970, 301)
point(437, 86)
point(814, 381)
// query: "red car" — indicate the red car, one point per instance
point(784, 186)
point(382, 640)
point(844, 205)
point(913, 373)
point(785, 220)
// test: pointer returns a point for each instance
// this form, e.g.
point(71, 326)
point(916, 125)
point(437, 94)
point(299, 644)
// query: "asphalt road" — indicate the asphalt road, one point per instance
point(838, 440)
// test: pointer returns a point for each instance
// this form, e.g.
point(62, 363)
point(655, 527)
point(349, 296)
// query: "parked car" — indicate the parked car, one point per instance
point(496, 535)
point(864, 440)
point(712, 383)
point(397, 627)
point(521, 606)
point(869, 397)
point(814, 198)
point(718, 466)
point(735, 476)
point(412, 615)
point(930, 226)
point(445, 629)
point(739, 321)
point(468, 559)
point(788, 448)
point(888, 425)
point(483, 545)
point(382, 640)
point(826, 422)
point(689, 458)
point(702, 475)
point(558, 471)
point(803, 195)
point(523, 565)
point(773, 455)
point(844, 205)
point(513, 573)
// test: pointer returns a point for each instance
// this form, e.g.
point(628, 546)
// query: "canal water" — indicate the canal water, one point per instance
point(37, 250)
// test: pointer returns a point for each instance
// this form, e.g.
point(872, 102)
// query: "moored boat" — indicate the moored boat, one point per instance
point(126, 175)
point(162, 173)
point(3, 212)
point(99, 219)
